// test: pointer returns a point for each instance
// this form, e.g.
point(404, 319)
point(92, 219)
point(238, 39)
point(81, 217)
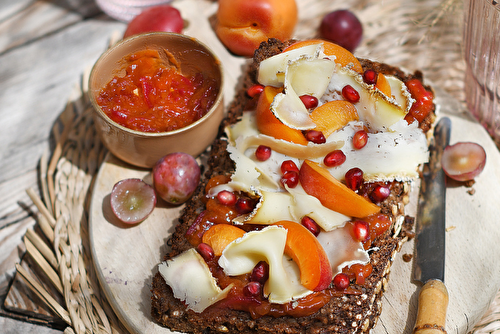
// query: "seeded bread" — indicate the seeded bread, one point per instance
point(343, 313)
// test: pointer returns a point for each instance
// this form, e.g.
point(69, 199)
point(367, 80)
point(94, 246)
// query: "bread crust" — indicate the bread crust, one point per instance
point(342, 314)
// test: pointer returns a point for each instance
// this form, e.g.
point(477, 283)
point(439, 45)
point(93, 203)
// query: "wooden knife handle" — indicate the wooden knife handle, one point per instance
point(432, 304)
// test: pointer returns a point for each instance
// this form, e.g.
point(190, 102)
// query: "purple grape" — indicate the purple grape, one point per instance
point(132, 200)
point(175, 177)
point(342, 27)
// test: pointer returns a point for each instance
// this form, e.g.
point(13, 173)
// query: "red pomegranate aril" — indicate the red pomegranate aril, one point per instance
point(290, 179)
point(226, 197)
point(289, 166)
point(361, 230)
point(255, 90)
point(334, 158)
point(205, 251)
point(354, 178)
point(260, 272)
point(341, 281)
point(380, 193)
point(262, 153)
point(252, 289)
point(244, 205)
point(311, 225)
point(360, 139)
point(315, 136)
point(350, 94)
point(370, 77)
point(309, 101)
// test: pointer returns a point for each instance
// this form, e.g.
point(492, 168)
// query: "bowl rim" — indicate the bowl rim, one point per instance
point(218, 100)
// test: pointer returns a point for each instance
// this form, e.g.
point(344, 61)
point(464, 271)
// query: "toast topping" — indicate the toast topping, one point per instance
point(301, 264)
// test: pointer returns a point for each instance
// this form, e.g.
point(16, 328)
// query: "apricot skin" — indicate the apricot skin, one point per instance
point(315, 270)
point(242, 25)
point(333, 194)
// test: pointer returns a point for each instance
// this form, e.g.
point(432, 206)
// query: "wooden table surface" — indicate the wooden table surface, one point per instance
point(45, 46)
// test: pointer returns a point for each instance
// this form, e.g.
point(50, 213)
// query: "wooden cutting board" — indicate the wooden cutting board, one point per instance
point(126, 257)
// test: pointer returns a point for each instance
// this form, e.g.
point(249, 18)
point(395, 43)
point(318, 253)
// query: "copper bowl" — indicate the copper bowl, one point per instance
point(143, 149)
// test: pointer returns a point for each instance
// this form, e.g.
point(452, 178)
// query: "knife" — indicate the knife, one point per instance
point(430, 238)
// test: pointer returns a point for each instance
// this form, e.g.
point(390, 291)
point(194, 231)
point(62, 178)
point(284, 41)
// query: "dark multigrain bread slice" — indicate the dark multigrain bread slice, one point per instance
point(349, 313)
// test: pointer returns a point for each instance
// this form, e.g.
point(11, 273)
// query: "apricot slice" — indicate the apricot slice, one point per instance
point(333, 115)
point(342, 56)
point(221, 235)
point(304, 248)
point(332, 193)
point(269, 125)
point(383, 85)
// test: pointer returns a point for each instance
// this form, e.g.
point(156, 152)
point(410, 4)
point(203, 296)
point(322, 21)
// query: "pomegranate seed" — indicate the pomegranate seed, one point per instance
point(361, 230)
point(289, 166)
point(370, 77)
point(262, 153)
point(290, 178)
point(205, 251)
point(260, 272)
point(252, 289)
point(309, 101)
point(334, 158)
point(316, 137)
point(350, 94)
point(354, 178)
point(244, 205)
point(311, 225)
point(380, 193)
point(226, 197)
point(360, 139)
point(341, 281)
point(255, 90)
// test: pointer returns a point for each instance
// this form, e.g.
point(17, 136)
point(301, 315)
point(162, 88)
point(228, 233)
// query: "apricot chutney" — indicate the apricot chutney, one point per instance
point(154, 96)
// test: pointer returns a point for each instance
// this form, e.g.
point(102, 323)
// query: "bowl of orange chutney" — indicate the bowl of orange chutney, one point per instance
point(154, 94)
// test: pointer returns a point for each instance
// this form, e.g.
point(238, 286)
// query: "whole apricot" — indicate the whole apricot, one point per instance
point(242, 25)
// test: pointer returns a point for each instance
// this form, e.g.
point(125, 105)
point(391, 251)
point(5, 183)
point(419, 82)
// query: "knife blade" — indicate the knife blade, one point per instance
point(430, 238)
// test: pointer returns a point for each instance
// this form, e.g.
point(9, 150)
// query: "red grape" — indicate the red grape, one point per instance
point(176, 177)
point(463, 161)
point(156, 18)
point(132, 200)
point(343, 28)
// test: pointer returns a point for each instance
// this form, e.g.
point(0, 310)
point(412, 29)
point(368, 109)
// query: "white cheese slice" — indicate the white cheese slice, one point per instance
point(307, 205)
point(342, 249)
point(289, 109)
point(272, 69)
point(292, 150)
point(246, 126)
point(386, 156)
point(310, 76)
point(191, 280)
point(268, 244)
point(275, 206)
point(377, 110)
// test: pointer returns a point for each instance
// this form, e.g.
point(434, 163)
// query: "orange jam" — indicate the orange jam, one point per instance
point(154, 96)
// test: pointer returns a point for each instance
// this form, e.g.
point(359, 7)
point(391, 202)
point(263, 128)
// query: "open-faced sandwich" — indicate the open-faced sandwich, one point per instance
point(302, 209)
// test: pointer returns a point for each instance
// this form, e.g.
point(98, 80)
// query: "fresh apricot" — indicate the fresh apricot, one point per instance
point(269, 125)
point(221, 235)
point(242, 25)
point(332, 193)
point(333, 115)
point(383, 85)
point(304, 248)
point(342, 56)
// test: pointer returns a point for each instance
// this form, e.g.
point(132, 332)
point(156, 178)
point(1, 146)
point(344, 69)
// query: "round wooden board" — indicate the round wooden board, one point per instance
point(126, 257)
